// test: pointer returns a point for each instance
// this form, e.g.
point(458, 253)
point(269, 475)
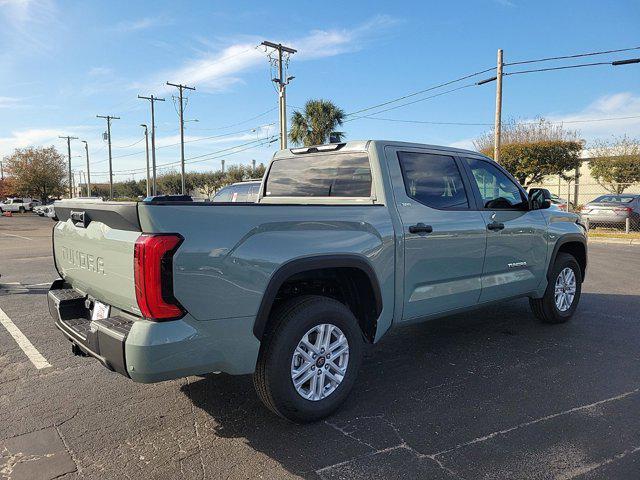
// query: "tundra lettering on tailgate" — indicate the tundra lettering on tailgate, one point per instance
point(83, 260)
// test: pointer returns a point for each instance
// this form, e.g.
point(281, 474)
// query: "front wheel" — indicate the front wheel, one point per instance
point(21, 210)
point(562, 295)
point(309, 358)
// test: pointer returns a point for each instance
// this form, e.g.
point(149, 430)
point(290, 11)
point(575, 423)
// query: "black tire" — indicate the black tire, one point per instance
point(21, 209)
point(287, 326)
point(545, 308)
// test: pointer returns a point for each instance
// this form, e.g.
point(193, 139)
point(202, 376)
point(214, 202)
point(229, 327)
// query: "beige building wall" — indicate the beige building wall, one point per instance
point(588, 188)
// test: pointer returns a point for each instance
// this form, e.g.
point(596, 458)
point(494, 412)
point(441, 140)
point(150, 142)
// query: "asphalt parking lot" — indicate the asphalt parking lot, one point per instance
point(492, 394)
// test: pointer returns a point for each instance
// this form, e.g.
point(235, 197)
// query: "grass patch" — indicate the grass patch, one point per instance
point(613, 233)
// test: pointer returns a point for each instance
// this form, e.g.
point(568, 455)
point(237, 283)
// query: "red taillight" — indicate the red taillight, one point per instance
point(623, 209)
point(153, 272)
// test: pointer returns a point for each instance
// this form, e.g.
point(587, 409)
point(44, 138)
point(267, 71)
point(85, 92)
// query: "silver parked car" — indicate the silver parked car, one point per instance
point(613, 210)
point(240, 192)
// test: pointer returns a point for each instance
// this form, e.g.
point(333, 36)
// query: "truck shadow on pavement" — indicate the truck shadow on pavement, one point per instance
point(427, 389)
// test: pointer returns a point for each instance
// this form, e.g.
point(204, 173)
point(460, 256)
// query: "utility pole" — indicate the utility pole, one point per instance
point(146, 142)
point(109, 118)
point(498, 120)
point(181, 88)
point(282, 88)
point(86, 149)
point(152, 100)
point(222, 162)
point(79, 192)
point(253, 166)
point(69, 153)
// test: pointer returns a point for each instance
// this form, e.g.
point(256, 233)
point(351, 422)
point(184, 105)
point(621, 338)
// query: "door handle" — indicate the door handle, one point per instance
point(495, 226)
point(420, 228)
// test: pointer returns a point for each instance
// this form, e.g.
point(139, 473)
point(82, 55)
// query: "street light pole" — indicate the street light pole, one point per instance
point(497, 129)
point(152, 100)
point(86, 148)
point(146, 142)
point(69, 154)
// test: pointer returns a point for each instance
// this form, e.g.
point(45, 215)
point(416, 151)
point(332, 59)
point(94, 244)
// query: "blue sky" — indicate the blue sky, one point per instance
point(64, 62)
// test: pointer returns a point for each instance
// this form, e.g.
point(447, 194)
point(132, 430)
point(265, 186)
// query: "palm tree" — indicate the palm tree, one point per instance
point(317, 123)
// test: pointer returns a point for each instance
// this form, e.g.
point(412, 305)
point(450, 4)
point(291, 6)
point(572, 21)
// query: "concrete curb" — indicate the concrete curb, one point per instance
point(619, 241)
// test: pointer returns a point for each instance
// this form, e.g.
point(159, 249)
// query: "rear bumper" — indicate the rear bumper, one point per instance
point(101, 339)
point(148, 351)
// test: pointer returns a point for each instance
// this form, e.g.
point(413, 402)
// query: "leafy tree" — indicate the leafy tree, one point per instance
point(616, 163)
point(236, 173)
point(257, 172)
point(37, 172)
point(128, 189)
point(101, 190)
point(316, 123)
point(170, 183)
point(6, 187)
point(209, 182)
point(531, 151)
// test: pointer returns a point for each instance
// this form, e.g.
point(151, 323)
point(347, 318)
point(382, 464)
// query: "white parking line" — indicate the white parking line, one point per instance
point(17, 236)
point(23, 342)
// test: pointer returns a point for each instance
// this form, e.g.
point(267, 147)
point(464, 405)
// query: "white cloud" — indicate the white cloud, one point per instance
point(99, 71)
point(9, 102)
point(466, 144)
point(30, 23)
point(141, 24)
point(217, 71)
point(39, 137)
point(623, 104)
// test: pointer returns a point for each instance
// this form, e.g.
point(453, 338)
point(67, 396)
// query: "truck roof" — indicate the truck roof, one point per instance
point(360, 145)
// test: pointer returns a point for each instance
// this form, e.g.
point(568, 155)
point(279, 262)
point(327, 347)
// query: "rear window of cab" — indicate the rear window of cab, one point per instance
point(331, 175)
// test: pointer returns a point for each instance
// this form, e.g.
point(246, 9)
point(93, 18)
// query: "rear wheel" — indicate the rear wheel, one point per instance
point(21, 209)
point(309, 359)
point(562, 295)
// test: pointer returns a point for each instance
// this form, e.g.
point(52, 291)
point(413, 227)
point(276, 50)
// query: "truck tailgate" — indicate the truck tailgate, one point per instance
point(93, 247)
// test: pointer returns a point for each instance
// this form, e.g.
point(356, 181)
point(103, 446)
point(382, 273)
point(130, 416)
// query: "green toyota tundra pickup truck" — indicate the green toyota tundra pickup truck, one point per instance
point(344, 242)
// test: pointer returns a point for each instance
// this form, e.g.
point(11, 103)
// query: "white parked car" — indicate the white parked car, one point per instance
point(38, 210)
point(16, 205)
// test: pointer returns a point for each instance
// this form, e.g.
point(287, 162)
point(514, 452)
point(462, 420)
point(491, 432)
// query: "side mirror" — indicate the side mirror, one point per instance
point(539, 198)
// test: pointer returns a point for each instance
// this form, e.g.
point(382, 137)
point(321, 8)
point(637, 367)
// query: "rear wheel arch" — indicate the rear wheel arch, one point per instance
point(355, 281)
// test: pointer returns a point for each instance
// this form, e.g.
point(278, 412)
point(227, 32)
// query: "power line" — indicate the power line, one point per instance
point(579, 55)
point(191, 159)
point(564, 67)
point(192, 141)
point(415, 101)
point(129, 146)
point(486, 124)
point(434, 87)
point(221, 153)
point(238, 123)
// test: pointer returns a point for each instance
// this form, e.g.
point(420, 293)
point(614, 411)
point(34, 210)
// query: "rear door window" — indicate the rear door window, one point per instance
point(433, 180)
point(336, 175)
